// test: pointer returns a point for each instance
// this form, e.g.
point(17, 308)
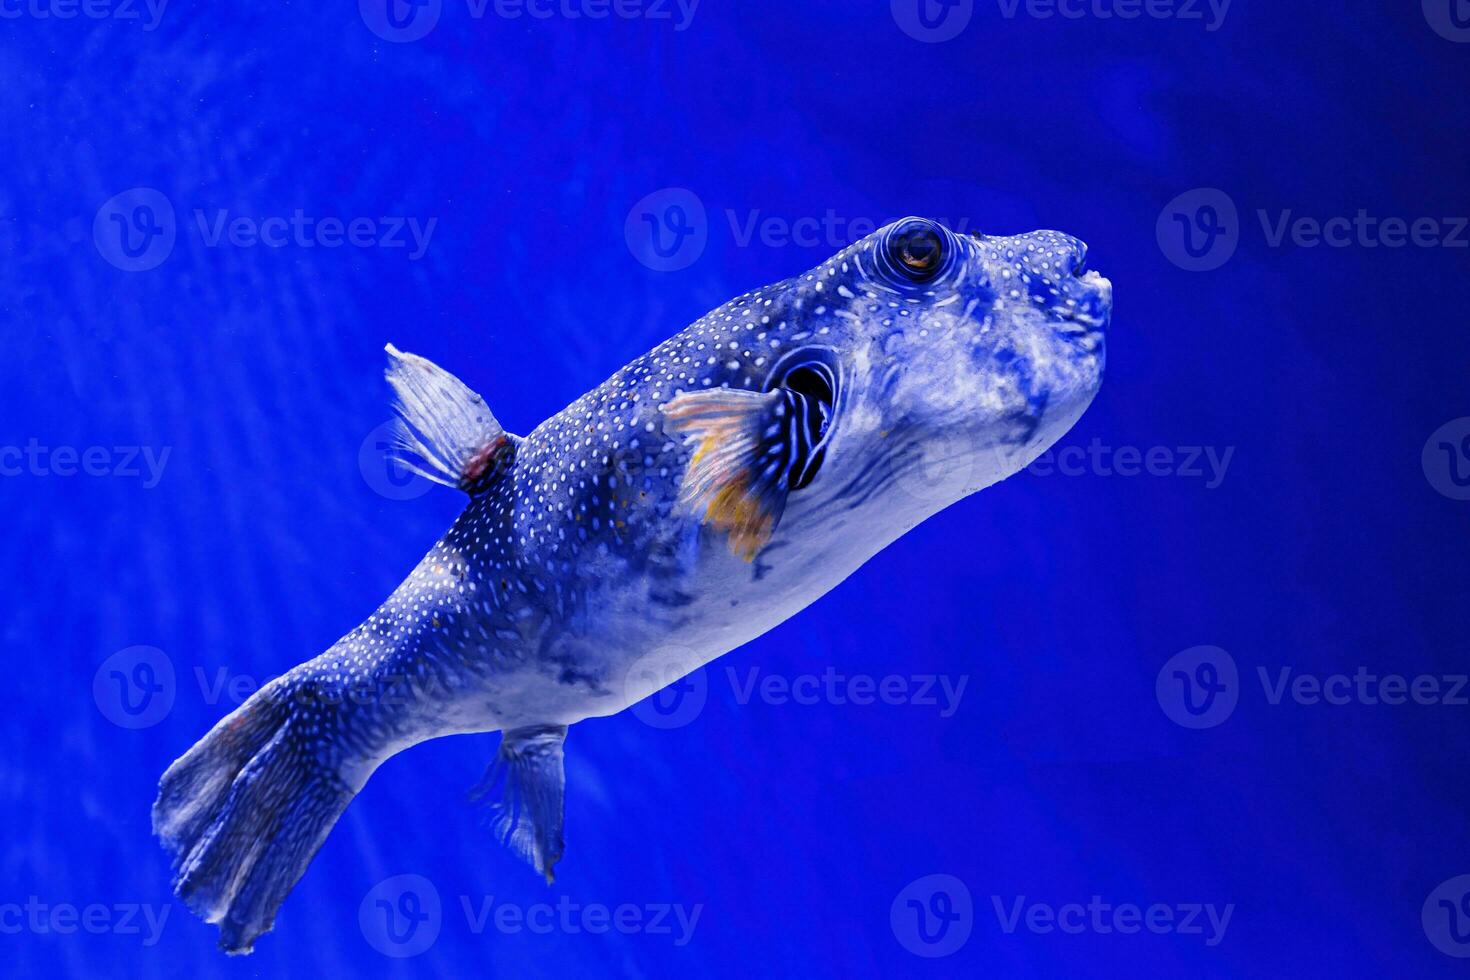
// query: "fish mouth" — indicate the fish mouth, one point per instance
point(1095, 280)
point(1090, 300)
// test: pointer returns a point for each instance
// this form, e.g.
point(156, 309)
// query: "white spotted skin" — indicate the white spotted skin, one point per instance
point(579, 562)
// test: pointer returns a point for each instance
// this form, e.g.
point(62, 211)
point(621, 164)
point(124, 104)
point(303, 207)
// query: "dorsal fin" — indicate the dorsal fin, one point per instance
point(446, 432)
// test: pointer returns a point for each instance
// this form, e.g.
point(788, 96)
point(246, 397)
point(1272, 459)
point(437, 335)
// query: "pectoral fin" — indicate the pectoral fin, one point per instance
point(736, 479)
point(524, 789)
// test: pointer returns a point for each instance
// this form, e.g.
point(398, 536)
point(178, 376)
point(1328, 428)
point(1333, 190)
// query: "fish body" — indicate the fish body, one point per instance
point(705, 493)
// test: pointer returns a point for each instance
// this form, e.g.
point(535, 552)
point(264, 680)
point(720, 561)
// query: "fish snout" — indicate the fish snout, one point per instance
point(1085, 295)
point(1090, 300)
point(1047, 272)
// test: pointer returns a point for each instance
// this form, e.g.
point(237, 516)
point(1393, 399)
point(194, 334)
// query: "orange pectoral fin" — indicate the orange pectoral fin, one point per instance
point(721, 481)
point(742, 514)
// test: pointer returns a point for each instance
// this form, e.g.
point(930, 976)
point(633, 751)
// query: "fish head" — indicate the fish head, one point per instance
point(957, 359)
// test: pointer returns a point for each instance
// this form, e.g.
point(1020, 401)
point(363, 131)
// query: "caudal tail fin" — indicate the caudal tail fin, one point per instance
point(244, 811)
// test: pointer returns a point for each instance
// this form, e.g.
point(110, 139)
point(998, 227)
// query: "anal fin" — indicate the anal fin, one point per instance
point(525, 788)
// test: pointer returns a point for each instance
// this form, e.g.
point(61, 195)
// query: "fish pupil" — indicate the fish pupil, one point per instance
point(918, 252)
point(918, 255)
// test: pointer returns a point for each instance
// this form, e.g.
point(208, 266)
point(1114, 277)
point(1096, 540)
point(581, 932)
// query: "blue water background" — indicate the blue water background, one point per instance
point(1059, 599)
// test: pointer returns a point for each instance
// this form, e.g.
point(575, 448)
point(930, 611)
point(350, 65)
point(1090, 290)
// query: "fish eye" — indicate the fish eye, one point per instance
point(917, 250)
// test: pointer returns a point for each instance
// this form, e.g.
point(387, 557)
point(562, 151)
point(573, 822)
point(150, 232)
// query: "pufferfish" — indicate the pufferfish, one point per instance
point(703, 494)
